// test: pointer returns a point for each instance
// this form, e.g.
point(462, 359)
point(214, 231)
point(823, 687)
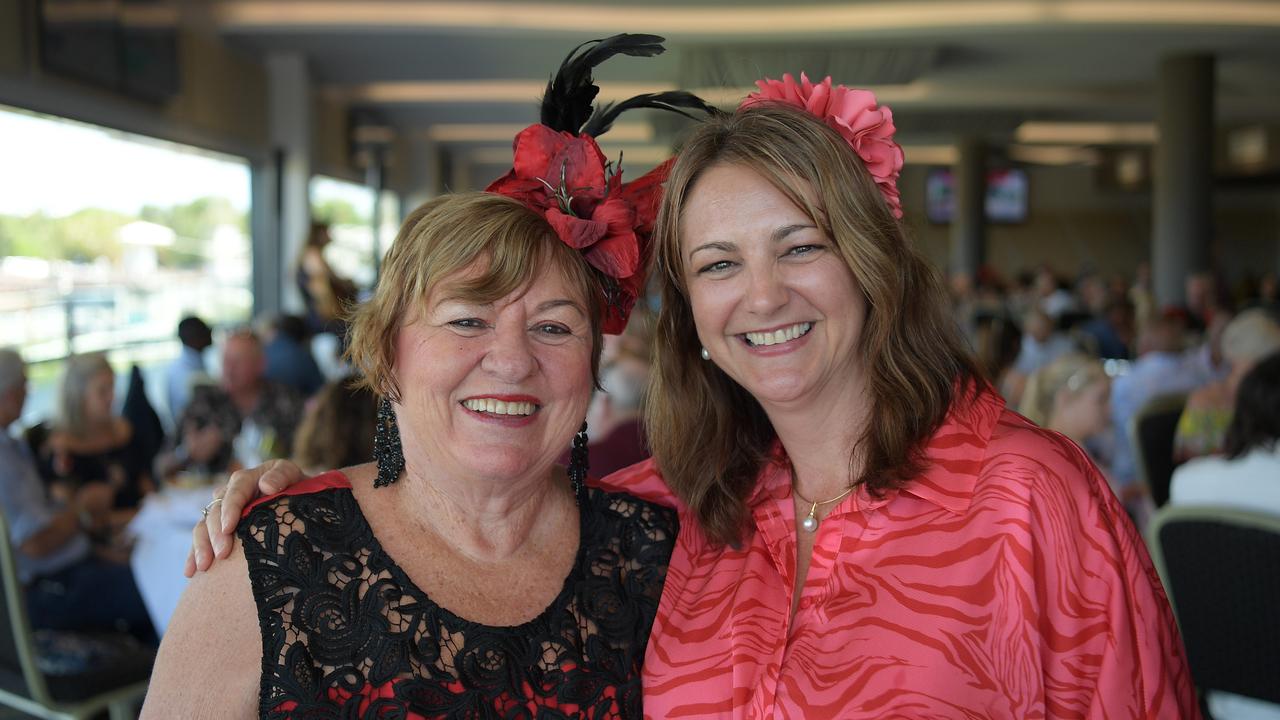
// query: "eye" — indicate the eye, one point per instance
point(550, 328)
point(468, 323)
point(802, 250)
point(715, 267)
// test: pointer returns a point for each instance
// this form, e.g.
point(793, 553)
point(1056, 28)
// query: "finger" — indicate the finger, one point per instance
point(200, 546)
point(275, 477)
point(189, 570)
point(239, 491)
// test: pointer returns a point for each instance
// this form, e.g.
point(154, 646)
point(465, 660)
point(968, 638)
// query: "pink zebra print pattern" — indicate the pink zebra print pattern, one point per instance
point(1005, 583)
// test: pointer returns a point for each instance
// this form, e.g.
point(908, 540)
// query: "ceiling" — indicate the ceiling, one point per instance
point(467, 74)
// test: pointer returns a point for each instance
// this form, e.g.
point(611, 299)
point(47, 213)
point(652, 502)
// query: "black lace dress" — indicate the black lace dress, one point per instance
point(346, 634)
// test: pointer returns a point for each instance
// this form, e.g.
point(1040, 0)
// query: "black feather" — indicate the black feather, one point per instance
point(566, 105)
point(672, 101)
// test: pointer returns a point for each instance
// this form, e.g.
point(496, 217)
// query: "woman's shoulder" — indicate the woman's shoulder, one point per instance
point(634, 530)
point(324, 482)
point(642, 481)
point(630, 507)
point(1026, 462)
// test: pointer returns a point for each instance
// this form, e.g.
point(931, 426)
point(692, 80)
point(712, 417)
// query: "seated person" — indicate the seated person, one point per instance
point(337, 431)
point(1249, 337)
point(1041, 345)
point(1246, 477)
point(1248, 474)
point(1070, 395)
point(246, 415)
point(89, 443)
point(68, 587)
point(289, 358)
point(1161, 369)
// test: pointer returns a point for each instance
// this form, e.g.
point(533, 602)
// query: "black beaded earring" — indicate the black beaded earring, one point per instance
point(387, 451)
point(578, 461)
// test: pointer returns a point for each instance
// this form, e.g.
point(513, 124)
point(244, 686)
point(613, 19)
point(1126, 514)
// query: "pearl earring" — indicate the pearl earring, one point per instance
point(705, 355)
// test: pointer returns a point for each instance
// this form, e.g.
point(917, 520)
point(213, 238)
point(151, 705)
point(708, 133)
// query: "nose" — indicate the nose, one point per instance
point(510, 357)
point(766, 292)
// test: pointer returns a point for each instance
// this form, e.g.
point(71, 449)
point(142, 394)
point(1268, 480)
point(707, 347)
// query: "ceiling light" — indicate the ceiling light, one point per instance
point(929, 154)
point(1081, 133)
point(809, 19)
point(1053, 154)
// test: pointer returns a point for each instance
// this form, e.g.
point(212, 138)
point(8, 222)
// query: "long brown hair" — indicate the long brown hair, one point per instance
point(709, 435)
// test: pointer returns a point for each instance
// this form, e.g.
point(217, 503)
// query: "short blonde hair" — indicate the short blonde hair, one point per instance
point(1073, 371)
point(443, 237)
point(1250, 336)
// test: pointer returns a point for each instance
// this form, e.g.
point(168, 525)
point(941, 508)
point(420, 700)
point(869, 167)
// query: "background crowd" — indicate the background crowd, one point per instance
point(1085, 355)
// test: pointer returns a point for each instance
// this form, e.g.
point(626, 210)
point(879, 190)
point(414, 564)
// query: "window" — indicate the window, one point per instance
point(107, 239)
point(348, 209)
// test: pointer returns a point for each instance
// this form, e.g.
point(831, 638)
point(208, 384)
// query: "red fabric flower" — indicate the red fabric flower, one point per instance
point(853, 113)
point(565, 179)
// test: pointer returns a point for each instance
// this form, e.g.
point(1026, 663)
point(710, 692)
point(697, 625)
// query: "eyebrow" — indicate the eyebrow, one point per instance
point(781, 233)
point(776, 236)
point(562, 302)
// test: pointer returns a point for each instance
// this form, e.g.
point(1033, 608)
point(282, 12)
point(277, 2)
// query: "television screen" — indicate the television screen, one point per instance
point(1007, 194)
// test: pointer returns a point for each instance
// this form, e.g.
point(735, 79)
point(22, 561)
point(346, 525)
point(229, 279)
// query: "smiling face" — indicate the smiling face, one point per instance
point(775, 305)
point(494, 391)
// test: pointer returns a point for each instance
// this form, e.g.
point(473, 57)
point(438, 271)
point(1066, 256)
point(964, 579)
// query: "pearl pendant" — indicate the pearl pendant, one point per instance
point(810, 523)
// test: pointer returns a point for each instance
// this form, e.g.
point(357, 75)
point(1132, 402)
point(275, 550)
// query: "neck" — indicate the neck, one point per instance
point(820, 453)
point(484, 519)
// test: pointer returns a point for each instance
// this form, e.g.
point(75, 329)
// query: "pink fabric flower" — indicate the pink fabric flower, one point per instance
point(853, 113)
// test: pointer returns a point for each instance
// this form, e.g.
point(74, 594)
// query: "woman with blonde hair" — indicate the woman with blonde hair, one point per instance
point(1069, 395)
point(866, 531)
point(90, 443)
point(463, 573)
point(1202, 429)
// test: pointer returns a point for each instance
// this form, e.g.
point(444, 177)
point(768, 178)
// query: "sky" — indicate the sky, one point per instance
point(59, 166)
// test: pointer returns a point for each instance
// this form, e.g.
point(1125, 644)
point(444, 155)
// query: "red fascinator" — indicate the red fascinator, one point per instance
point(560, 173)
point(851, 112)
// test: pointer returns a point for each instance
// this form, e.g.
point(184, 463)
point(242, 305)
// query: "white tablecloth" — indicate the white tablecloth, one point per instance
point(162, 532)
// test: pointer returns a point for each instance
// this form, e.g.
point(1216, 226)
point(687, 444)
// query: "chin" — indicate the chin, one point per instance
point(502, 461)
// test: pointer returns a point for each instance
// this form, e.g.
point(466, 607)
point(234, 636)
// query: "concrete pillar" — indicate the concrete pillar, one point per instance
point(281, 199)
point(1183, 180)
point(423, 180)
point(969, 224)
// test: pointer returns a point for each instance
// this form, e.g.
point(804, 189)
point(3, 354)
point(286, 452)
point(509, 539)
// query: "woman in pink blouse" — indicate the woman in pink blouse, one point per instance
point(866, 530)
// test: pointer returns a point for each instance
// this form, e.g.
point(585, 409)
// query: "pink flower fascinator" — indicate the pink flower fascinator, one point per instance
point(853, 113)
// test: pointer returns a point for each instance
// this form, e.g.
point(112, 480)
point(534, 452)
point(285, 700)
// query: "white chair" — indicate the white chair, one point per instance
point(24, 687)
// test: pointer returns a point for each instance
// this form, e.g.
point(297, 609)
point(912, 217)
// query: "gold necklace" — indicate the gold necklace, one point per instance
point(810, 523)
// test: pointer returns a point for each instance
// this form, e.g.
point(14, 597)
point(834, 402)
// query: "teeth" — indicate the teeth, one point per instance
point(499, 407)
point(779, 336)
